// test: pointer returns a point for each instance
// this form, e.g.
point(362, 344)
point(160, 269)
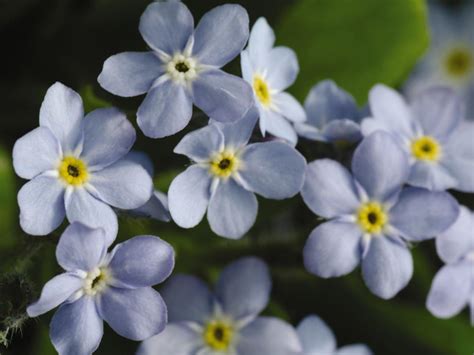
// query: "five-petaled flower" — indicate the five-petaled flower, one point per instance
point(98, 286)
point(183, 67)
point(224, 323)
point(372, 218)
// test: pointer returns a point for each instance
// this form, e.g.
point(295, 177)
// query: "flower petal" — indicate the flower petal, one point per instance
point(143, 159)
point(431, 176)
point(461, 144)
point(41, 202)
point(36, 152)
point(81, 248)
point(387, 267)
point(181, 307)
point(166, 110)
point(167, 26)
point(342, 130)
point(289, 107)
point(55, 291)
point(136, 314)
point(243, 288)
point(275, 124)
point(156, 207)
point(422, 214)
point(261, 41)
point(309, 132)
point(188, 196)
point(282, 66)
point(76, 328)
point(201, 144)
point(315, 336)
point(237, 134)
point(130, 73)
point(221, 35)
point(273, 169)
point(222, 96)
point(380, 165)
point(108, 136)
point(355, 349)
point(333, 249)
point(450, 290)
point(329, 189)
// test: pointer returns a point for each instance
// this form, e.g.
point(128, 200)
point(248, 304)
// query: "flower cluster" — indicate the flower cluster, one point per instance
point(82, 168)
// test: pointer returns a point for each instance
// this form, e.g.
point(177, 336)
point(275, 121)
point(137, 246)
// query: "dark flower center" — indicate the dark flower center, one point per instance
point(181, 67)
point(372, 217)
point(73, 171)
point(224, 164)
point(459, 62)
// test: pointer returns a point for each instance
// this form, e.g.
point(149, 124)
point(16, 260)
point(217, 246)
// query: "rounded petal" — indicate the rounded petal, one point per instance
point(222, 96)
point(237, 134)
point(167, 26)
point(315, 336)
point(156, 207)
point(166, 110)
point(108, 136)
point(460, 162)
point(41, 202)
point(55, 291)
point(289, 107)
point(342, 130)
point(136, 314)
point(309, 132)
point(421, 214)
point(201, 144)
point(333, 249)
point(282, 66)
point(387, 267)
point(355, 349)
point(268, 335)
point(261, 41)
point(431, 176)
point(181, 307)
point(188, 196)
point(380, 165)
point(130, 73)
point(460, 143)
point(273, 169)
point(221, 35)
point(143, 159)
point(176, 339)
point(232, 210)
point(243, 288)
point(142, 261)
point(329, 189)
point(76, 328)
point(81, 248)
point(450, 290)
point(275, 124)
point(455, 242)
point(62, 112)
point(36, 152)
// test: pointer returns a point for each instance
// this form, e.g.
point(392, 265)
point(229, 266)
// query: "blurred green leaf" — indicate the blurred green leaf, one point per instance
point(7, 200)
point(356, 43)
point(91, 100)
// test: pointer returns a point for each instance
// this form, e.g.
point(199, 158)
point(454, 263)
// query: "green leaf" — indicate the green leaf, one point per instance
point(91, 101)
point(8, 207)
point(356, 43)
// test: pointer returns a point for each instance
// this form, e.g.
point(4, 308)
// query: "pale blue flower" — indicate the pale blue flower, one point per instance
point(271, 70)
point(226, 174)
point(432, 132)
point(453, 285)
point(332, 115)
point(371, 217)
point(76, 168)
point(225, 322)
point(98, 286)
point(183, 67)
point(318, 339)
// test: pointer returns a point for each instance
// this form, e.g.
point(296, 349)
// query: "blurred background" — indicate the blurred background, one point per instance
point(356, 43)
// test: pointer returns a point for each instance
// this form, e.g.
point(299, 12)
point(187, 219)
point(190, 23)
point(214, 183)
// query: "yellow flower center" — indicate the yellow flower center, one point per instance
point(426, 148)
point(218, 335)
point(224, 164)
point(96, 281)
point(262, 90)
point(459, 62)
point(73, 171)
point(372, 217)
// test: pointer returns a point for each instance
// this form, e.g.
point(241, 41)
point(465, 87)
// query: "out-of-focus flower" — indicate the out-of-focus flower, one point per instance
point(453, 285)
point(226, 174)
point(450, 58)
point(332, 115)
point(98, 286)
point(183, 67)
point(317, 339)
point(224, 323)
point(76, 168)
point(271, 70)
point(431, 130)
point(371, 216)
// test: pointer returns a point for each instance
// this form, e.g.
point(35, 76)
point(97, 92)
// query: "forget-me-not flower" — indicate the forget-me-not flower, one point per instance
point(432, 132)
point(318, 339)
point(75, 166)
point(453, 285)
point(226, 174)
point(99, 286)
point(332, 115)
point(183, 67)
point(371, 217)
point(271, 70)
point(226, 322)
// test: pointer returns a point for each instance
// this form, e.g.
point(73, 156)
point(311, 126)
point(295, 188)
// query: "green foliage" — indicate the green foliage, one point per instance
point(356, 43)
point(8, 207)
